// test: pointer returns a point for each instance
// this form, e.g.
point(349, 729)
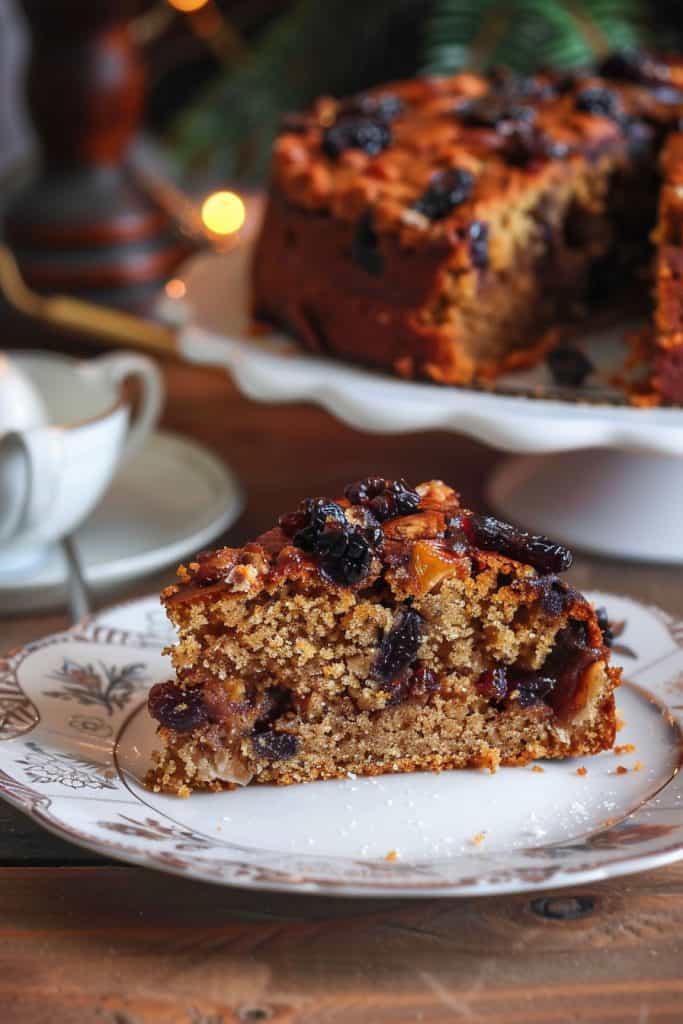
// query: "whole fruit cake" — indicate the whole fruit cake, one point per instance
point(388, 631)
point(440, 228)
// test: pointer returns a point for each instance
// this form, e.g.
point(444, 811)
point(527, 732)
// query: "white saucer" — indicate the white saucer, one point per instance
point(173, 498)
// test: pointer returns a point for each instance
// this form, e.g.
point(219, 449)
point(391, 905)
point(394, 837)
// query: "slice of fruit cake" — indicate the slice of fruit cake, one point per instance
point(389, 630)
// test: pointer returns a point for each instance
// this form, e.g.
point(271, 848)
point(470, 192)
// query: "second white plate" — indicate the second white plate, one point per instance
point(169, 501)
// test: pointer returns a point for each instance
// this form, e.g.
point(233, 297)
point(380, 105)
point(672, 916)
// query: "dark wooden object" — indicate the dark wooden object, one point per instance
point(85, 225)
point(84, 942)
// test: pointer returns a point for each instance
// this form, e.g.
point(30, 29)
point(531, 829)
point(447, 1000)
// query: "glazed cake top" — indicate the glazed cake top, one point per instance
point(431, 155)
point(381, 528)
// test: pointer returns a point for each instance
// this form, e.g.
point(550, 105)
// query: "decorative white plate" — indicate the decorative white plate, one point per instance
point(170, 500)
point(76, 742)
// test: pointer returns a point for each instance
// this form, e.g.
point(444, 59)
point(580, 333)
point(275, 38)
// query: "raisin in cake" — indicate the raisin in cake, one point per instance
point(442, 228)
point(391, 630)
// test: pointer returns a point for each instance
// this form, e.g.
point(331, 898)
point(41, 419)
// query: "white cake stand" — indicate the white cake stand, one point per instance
point(597, 474)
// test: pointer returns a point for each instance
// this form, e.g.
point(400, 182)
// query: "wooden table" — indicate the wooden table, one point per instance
point(83, 940)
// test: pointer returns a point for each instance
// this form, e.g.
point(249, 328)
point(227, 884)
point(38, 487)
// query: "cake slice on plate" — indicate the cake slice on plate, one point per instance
point(391, 630)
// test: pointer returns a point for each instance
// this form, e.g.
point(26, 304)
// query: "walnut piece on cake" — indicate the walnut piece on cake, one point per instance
point(389, 630)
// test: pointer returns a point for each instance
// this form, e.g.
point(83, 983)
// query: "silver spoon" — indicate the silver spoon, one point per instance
point(77, 588)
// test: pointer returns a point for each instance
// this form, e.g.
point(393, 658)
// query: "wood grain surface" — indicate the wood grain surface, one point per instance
point(124, 946)
point(85, 941)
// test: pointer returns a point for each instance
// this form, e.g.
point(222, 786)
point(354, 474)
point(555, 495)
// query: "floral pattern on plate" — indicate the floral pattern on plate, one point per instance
point(80, 741)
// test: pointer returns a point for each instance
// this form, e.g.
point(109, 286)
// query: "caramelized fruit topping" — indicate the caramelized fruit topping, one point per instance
point(494, 535)
point(356, 131)
point(344, 550)
point(385, 499)
point(446, 191)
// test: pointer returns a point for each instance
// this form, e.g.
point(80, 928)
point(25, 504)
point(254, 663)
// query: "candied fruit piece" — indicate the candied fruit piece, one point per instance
point(385, 499)
point(317, 513)
point(447, 190)
point(365, 249)
point(494, 535)
point(416, 684)
point(384, 108)
point(354, 131)
point(275, 746)
point(493, 683)
point(526, 143)
point(428, 566)
point(569, 366)
point(605, 626)
point(344, 550)
point(631, 65)
point(399, 646)
point(554, 594)
point(345, 554)
point(423, 683)
point(599, 101)
point(495, 110)
point(569, 661)
point(175, 708)
point(532, 687)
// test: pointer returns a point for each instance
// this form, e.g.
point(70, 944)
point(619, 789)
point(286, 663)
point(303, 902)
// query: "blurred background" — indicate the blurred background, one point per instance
point(221, 72)
point(120, 119)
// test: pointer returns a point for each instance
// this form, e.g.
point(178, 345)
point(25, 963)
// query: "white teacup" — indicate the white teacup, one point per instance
point(52, 474)
point(20, 404)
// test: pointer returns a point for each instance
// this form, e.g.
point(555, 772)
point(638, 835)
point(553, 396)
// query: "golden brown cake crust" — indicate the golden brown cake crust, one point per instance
point(358, 258)
point(390, 630)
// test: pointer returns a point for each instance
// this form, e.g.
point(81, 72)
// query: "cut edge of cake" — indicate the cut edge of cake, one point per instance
point(388, 631)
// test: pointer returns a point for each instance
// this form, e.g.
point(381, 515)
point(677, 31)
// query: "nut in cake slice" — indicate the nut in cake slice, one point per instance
point(390, 630)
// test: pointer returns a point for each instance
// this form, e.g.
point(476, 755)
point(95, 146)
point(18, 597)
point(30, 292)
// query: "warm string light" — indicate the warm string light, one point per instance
point(188, 6)
point(223, 213)
point(175, 289)
point(208, 23)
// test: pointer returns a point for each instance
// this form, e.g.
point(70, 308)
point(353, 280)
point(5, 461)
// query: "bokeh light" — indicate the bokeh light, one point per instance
point(188, 6)
point(223, 213)
point(175, 288)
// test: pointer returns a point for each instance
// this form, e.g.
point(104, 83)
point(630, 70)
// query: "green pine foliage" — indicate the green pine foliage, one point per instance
point(340, 46)
point(335, 46)
point(526, 34)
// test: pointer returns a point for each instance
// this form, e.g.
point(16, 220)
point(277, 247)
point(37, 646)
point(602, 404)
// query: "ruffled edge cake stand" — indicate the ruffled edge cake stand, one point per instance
point(587, 468)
